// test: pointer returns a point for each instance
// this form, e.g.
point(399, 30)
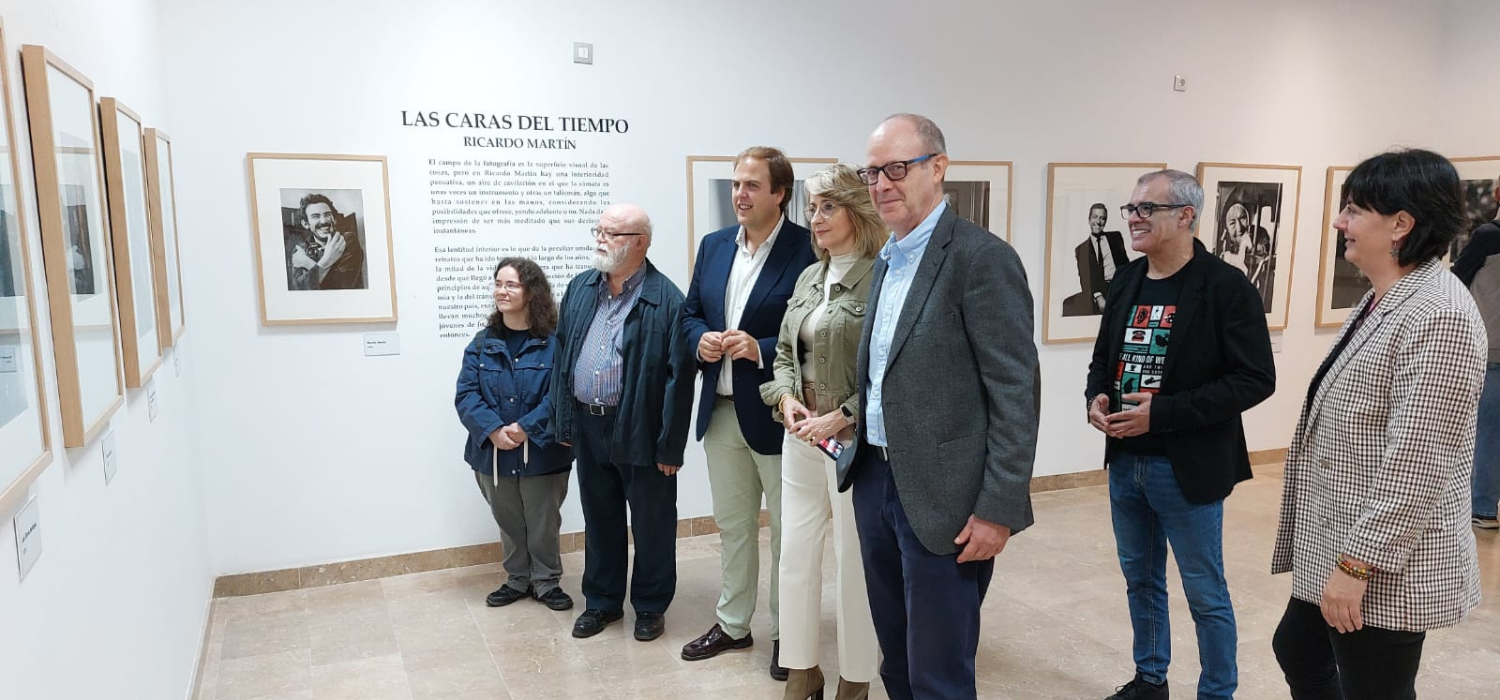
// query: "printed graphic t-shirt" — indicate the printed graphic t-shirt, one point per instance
point(1143, 354)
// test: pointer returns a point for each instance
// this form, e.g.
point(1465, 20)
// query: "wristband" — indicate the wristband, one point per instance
point(1354, 572)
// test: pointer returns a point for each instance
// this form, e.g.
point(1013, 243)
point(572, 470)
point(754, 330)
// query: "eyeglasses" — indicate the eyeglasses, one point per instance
point(597, 233)
point(1146, 209)
point(893, 171)
point(511, 287)
point(827, 210)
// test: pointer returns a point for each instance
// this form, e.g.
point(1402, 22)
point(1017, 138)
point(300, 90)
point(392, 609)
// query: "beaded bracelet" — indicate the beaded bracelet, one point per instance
point(1353, 571)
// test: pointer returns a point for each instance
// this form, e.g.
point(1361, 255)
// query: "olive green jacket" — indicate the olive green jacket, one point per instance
point(836, 343)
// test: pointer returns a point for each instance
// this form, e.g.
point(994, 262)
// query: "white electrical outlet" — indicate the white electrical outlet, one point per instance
point(1179, 83)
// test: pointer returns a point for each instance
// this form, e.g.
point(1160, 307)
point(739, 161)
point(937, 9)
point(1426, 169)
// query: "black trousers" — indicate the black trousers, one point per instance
point(1321, 664)
point(605, 489)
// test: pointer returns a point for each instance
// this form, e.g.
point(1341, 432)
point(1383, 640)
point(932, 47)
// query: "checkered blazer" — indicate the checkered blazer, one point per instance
point(1380, 464)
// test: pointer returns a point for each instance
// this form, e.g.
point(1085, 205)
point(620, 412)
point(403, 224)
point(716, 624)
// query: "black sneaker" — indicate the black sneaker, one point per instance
point(505, 595)
point(592, 622)
point(556, 599)
point(1139, 689)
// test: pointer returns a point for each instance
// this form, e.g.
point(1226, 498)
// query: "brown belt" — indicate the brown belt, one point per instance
point(810, 397)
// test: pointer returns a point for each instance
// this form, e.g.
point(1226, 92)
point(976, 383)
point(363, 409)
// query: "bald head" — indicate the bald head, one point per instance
point(928, 134)
point(916, 142)
point(627, 217)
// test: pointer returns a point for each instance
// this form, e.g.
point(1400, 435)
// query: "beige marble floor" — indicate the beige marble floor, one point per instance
point(1055, 626)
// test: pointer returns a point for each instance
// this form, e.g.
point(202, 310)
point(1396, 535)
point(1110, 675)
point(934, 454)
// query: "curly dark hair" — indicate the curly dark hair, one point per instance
point(1421, 183)
point(316, 198)
point(541, 308)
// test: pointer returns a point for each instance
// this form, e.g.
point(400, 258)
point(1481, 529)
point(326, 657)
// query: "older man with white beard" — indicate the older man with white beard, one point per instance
point(626, 415)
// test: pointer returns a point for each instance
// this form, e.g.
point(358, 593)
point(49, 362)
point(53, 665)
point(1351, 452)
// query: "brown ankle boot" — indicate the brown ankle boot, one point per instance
point(849, 690)
point(804, 684)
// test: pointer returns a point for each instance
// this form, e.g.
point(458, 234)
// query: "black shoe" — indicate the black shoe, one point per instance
point(505, 595)
point(649, 626)
point(777, 672)
point(592, 622)
point(556, 599)
point(1139, 689)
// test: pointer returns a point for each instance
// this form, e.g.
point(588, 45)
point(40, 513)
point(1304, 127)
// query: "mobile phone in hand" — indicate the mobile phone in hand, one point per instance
point(831, 447)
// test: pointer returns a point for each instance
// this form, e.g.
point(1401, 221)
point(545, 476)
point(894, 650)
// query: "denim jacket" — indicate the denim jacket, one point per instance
point(494, 391)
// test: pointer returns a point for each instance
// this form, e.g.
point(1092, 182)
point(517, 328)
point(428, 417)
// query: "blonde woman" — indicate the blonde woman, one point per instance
point(816, 395)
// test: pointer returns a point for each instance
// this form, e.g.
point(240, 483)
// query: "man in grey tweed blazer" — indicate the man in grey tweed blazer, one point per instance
point(942, 459)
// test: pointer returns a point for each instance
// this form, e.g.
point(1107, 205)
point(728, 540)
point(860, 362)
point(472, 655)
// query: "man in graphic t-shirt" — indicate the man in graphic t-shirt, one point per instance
point(1182, 351)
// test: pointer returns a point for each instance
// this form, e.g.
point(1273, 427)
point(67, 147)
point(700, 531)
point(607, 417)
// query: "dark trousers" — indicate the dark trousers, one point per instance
point(1321, 664)
point(925, 605)
point(605, 488)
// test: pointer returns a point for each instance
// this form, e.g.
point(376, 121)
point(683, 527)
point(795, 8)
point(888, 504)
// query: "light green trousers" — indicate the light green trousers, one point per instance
point(737, 478)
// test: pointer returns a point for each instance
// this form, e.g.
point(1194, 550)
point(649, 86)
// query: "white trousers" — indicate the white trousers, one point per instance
point(809, 494)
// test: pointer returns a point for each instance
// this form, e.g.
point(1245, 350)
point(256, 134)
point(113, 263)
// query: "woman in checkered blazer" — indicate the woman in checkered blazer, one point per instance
point(1374, 511)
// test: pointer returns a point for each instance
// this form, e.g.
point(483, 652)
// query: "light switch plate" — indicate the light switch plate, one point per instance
point(583, 53)
point(28, 524)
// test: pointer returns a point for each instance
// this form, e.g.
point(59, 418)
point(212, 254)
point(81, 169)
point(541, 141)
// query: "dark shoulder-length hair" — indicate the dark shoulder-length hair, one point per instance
point(541, 308)
point(1420, 183)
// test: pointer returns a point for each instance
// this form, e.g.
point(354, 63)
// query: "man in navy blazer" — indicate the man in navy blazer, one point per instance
point(741, 282)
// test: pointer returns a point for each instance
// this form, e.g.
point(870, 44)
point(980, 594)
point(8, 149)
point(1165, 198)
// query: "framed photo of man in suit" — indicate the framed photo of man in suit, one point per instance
point(1087, 242)
point(710, 199)
point(1249, 220)
point(323, 238)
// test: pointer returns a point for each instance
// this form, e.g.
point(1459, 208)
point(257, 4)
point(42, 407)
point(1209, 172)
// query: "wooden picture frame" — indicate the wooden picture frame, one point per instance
point(25, 440)
point(707, 195)
point(161, 195)
point(1246, 223)
point(1340, 283)
point(1478, 175)
point(349, 199)
point(134, 255)
point(75, 243)
point(1074, 191)
point(982, 191)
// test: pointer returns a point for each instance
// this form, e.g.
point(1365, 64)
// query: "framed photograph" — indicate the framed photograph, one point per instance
point(161, 195)
point(323, 238)
point(1249, 220)
point(980, 191)
point(1084, 249)
point(75, 243)
point(24, 443)
point(1340, 284)
point(135, 275)
point(1479, 176)
point(711, 201)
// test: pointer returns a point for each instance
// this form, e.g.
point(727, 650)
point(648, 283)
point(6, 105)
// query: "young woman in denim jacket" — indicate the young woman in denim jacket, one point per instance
point(503, 402)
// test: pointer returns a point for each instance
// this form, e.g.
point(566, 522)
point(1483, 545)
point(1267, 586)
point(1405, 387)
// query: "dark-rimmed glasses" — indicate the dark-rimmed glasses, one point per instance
point(1146, 209)
point(597, 233)
point(893, 171)
point(827, 210)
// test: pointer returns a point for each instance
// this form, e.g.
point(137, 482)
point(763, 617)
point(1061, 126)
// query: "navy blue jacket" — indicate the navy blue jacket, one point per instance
point(495, 390)
point(657, 395)
point(704, 312)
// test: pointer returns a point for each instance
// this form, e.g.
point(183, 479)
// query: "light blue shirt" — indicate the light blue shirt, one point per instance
point(902, 258)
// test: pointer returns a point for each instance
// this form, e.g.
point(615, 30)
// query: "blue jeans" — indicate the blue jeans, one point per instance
point(1149, 511)
point(1487, 446)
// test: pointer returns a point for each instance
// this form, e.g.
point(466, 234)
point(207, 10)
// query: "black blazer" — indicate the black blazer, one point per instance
point(1219, 364)
point(703, 311)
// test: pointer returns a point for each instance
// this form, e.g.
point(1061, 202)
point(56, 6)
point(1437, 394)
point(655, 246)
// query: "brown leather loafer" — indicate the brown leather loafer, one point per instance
point(712, 643)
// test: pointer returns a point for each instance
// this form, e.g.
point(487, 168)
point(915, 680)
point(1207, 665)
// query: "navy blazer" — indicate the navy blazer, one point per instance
point(703, 312)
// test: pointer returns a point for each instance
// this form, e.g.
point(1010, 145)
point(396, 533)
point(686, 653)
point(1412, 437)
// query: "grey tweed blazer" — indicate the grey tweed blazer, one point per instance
point(962, 387)
point(1380, 464)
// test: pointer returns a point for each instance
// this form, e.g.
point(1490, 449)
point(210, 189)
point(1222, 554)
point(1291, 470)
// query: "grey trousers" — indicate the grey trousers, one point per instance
point(528, 510)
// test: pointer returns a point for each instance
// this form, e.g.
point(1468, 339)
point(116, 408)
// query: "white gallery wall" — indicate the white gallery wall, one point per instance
point(116, 605)
point(322, 454)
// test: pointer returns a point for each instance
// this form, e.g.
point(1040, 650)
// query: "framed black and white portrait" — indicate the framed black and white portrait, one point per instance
point(323, 238)
point(1479, 176)
point(25, 448)
point(980, 191)
point(711, 196)
point(1340, 284)
point(1249, 220)
point(64, 119)
point(1087, 243)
